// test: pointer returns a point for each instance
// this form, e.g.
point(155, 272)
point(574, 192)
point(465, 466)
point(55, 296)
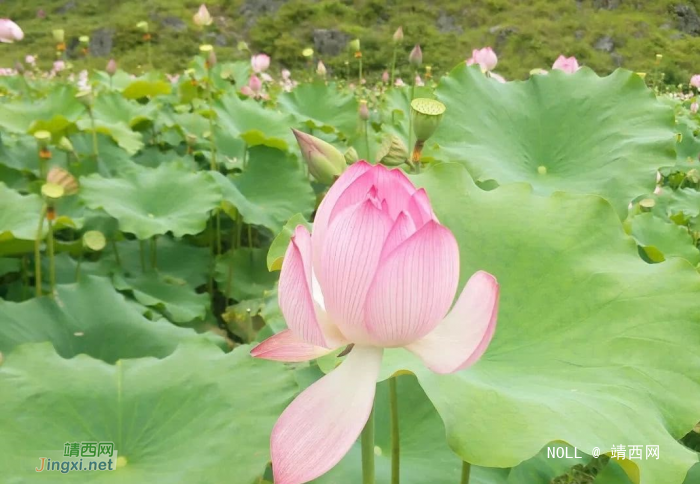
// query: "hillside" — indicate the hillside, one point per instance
point(603, 34)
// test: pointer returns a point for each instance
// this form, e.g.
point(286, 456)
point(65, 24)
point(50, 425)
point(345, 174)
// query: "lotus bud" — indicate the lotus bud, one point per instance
point(9, 31)
point(94, 240)
point(211, 59)
point(392, 152)
point(260, 62)
point(308, 52)
point(427, 115)
point(321, 69)
point(385, 77)
point(695, 81)
point(255, 83)
point(351, 156)
point(364, 110)
point(694, 108)
point(202, 18)
point(415, 58)
point(64, 144)
point(62, 178)
point(324, 160)
point(354, 45)
point(398, 35)
point(111, 67)
point(59, 35)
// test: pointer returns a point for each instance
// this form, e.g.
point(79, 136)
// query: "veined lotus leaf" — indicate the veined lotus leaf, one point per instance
point(150, 202)
point(200, 408)
point(250, 277)
point(56, 113)
point(573, 132)
point(19, 214)
point(671, 240)
point(337, 112)
point(90, 317)
point(594, 347)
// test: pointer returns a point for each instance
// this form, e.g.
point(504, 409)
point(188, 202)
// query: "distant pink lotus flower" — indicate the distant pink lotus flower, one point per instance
point(202, 18)
point(694, 107)
point(173, 78)
point(379, 271)
point(695, 81)
point(486, 58)
point(385, 77)
point(58, 66)
point(30, 59)
point(419, 81)
point(266, 77)
point(10, 31)
point(566, 64)
point(399, 82)
point(286, 75)
point(255, 83)
point(260, 62)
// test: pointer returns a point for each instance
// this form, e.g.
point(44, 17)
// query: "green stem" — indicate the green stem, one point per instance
point(367, 441)
point(410, 117)
point(77, 268)
point(395, 442)
point(359, 81)
point(212, 143)
point(218, 232)
point(154, 253)
point(369, 156)
point(250, 237)
point(37, 252)
point(393, 68)
point(148, 49)
point(229, 275)
point(52, 258)
point(95, 149)
point(466, 471)
point(239, 227)
point(116, 254)
point(25, 278)
point(142, 253)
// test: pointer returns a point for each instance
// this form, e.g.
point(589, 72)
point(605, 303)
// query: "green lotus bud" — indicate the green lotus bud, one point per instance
point(354, 45)
point(351, 156)
point(427, 115)
point(392, 152)
point(398, 35)
point(64, 144)
point(94, 240)
point(415, 58)
point(325, 162)
point(59, 35)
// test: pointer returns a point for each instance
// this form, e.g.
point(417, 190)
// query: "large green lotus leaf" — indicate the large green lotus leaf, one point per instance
point(688, 145)
point(271, 189)
point(178, 300)
point(20, 153)
point(89, 317)
point(56, 113)
point(252, 122)
point(19, 214)
point(199, 416)
point(605, 136)
point(275, 255)
point(112, 107)
point(250, 277)
point(594, 346)
point(146, 88)
point(150, 202)
point(323, 107)
point(122, 134)
point(8, 266)
point(656, 235)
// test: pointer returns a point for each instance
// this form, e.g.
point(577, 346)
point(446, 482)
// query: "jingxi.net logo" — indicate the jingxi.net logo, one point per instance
point(80, 456)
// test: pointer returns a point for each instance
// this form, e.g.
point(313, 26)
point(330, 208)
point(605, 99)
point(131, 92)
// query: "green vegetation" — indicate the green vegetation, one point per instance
point(525, 34)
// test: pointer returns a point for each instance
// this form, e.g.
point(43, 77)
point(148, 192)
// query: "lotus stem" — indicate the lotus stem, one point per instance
point(369, 156)
point(142, 254)
point(25, 278)
point(410, 117)
point(77, 268)
point(116, 254)
point(367, 442)
point(37, 251)
point(359, 80)
point(52, 258)
point(250, 237)
point(393, 69)
point(395, 440)
point(218, 232)
point(95, 149)
point(154, 253)
point(466, 471)
point(415, 156)
point(229, 275)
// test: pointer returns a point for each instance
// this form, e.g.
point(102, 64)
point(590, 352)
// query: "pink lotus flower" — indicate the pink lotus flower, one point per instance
point(694, 108)
point(695, 81)
point(260, 62)
point(10, 31)
point(202, 18)
point(486, 58)
point(255, 83)
point(286, 75)
point(385, 77)
point(58, 66)
point(566, 64)
point(30, 59)
point(173, 78)
point(379, 272)
point(266, 77)
point(399, 82)
point(419, 81)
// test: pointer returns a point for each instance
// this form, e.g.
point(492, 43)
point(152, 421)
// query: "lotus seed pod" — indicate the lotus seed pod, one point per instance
point(351, 156)
point(392, 152)
point(355, 45)
point(84, 39)
point(59, 35)
point(52, 190)
point(94, 240)
point(325, 162)
point(308, 52)
point(42, 138)
point(427, 115)
point(59, 176)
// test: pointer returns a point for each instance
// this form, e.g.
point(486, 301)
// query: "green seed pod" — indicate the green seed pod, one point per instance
point(427, 115)
point(59, 35)
point(354, 45)
point(392, 152)
point(94, 240)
